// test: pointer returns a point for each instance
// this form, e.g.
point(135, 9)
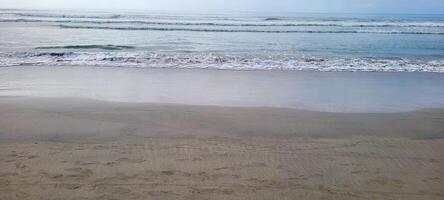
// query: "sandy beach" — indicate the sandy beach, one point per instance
point(65, 148)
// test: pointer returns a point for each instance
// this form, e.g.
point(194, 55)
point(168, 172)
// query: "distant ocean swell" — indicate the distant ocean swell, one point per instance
point(104, 47)
point(169, 16)
point(293, 24)
point(217, 61)
point(48, 15)
point(248, 30)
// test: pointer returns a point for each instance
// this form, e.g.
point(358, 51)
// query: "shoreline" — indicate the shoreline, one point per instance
point(357, 92)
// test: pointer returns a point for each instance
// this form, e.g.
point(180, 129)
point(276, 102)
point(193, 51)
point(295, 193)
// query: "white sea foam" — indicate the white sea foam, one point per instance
point(218, 61)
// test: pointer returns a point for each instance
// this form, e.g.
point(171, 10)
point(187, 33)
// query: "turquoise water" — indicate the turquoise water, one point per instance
point(238, 41)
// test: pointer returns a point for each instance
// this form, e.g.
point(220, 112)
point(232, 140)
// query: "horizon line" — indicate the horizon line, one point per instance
point(219, 12)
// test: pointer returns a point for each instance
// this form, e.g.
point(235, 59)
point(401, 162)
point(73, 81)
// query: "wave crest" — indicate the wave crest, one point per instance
point(248, 30)
point(104, 47)
point(47, 15)
point(218, 61)
point(251, 24)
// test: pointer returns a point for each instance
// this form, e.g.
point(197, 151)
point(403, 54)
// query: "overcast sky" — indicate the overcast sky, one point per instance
point(356, 6)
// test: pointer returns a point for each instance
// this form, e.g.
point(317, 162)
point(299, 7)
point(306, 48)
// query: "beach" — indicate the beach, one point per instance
point(73, 139)
point(139, 104)
point(85, 149)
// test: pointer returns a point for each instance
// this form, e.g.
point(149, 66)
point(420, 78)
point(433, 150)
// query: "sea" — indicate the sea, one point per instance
point(228, 41)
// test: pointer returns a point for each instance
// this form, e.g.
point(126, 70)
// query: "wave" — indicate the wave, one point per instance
point(423, 24)
point(248, 30)
point(104, 47)
point(67, 16)
point(218, 61)
point(272, 19)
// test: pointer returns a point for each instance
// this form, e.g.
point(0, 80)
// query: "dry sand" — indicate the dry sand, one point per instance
point(84, 149)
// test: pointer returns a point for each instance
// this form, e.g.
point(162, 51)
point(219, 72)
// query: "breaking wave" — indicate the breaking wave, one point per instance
point(217, 61)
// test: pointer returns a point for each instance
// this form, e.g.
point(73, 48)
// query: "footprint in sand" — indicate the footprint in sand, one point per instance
point(130, 160)
point(120, 190)
point(55, 176)
point(118, 178)
point(69, 186)
point(4, 182)
point(85, 163)
point(20, 166)
point(168, 173)
point(160, 193)
point(387, 183)
point(434, 179)
point(33, 156)
point(114, 190)
point(205, 191)
point(22, 195)
point(253, 165)
point(79, 173)
point(359, 172)
point(112, 163)
point(224, 168)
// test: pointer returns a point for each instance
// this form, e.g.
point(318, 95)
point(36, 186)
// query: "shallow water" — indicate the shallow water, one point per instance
point(319, 91)
point(239, 41)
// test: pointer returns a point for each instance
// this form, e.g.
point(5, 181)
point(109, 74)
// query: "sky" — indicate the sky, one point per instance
point(335, 6)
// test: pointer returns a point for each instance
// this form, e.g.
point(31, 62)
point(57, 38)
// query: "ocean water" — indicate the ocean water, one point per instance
point(237, 41)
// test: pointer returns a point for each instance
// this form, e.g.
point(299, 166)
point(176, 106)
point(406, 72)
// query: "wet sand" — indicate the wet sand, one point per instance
point(65, 148)
point(318, 91)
